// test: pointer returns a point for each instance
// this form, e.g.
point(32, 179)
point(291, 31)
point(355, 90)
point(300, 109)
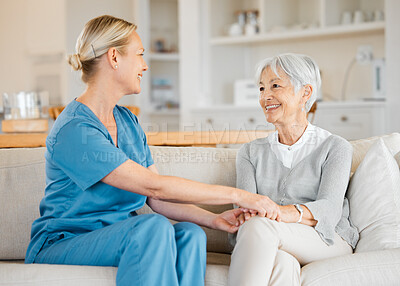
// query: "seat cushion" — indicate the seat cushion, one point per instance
point(17, 273)
point(55, 275)
point(367, 269)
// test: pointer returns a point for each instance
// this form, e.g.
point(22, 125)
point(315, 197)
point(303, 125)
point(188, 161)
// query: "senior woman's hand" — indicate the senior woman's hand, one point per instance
point(291, 215)
point(262, 205)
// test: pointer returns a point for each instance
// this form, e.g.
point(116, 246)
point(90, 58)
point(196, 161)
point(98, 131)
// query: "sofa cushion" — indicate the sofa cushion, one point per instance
point(22, 183)
point(361, 147)
point(13, 273)
point(374, 197)
point(50, 275)
point(367, 269)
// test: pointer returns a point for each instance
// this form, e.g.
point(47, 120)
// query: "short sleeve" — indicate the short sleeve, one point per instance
point(83, 151)
point(149, 158)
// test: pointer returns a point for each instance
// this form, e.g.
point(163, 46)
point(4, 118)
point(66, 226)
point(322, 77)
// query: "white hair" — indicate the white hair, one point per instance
point(301, 70)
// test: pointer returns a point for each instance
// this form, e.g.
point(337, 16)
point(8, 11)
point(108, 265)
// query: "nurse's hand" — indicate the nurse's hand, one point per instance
point(263, 205)
point(229, 221)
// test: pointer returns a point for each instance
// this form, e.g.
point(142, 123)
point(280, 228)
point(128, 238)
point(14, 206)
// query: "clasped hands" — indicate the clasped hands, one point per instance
point(231, 220)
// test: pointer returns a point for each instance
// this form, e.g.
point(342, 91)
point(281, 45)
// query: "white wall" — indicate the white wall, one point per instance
point(392, 11)
point(15, 64)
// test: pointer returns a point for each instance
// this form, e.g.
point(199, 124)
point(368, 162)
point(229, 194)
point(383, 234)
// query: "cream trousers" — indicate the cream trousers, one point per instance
point(268, 252)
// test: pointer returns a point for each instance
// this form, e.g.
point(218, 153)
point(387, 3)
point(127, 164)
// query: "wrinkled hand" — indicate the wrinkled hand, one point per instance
point(230, 220)
point(263, 205)
point(289, 214)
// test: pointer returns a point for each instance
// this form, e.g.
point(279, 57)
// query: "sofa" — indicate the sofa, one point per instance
point(22, 183)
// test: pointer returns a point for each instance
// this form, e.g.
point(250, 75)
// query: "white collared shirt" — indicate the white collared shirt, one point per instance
point(312, 137)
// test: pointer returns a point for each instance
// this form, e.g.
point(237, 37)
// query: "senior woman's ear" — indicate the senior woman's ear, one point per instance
point(308, 90)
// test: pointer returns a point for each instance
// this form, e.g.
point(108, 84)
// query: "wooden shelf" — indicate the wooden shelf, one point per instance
point(330, 31)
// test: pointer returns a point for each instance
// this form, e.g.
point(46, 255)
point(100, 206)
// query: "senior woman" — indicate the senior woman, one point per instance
point(99, 171)
point(304, 170)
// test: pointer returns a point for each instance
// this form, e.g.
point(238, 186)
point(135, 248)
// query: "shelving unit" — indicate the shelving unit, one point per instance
point(312, 27)
point(159, 29)
point(316, 33)
point(163, 57)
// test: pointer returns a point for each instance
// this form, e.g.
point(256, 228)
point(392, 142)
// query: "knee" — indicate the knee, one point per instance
point(286, 259)
point(187, 231)
point(258, 228)
point(156, 224)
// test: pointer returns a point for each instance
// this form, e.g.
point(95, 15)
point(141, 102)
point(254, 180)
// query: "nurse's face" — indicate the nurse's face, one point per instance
point(132, 66)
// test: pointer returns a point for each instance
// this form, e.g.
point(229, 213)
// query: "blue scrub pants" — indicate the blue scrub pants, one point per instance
point(147, 249)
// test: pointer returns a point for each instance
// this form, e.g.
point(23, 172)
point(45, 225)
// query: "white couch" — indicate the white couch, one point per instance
point(22, 182)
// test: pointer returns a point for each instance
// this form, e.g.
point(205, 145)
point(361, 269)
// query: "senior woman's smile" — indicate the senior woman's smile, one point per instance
point(272, 107)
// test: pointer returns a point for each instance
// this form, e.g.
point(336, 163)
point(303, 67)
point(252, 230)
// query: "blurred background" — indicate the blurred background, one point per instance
point(202, 56)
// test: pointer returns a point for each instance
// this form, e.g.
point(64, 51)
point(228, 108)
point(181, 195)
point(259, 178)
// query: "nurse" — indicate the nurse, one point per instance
point(99, 171)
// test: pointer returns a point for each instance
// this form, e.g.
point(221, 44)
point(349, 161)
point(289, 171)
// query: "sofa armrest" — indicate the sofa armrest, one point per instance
point(367, 268)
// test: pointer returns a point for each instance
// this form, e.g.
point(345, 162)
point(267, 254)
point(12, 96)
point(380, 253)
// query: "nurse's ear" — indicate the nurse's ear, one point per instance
point(112, 58)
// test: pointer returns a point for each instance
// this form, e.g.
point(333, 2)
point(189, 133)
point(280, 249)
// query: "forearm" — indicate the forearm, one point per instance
point(291, 215)
point(183, 212)
point(134, 178)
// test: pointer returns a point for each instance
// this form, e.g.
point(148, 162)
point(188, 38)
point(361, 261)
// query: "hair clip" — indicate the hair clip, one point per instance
point(93, 51)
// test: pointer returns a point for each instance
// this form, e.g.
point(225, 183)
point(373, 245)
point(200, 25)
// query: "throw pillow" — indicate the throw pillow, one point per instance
point(374, 197)
point(361, 147)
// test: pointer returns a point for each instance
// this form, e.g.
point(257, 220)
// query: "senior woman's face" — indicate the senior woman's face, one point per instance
point(277, 97)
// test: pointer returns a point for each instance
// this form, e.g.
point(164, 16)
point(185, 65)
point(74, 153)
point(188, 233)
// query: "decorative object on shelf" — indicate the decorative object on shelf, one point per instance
point(160, 46)
point(364, 56)
point(163, 93)
point(251, 27)
point(25, 112)
point(347, 18)
point(22, 105)
point(358, 17)
point(378, 16)
point(247, 23)
point(378, 68)
point(246, 93)
point(237, 29)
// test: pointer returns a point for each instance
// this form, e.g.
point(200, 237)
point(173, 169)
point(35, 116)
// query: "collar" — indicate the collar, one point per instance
point(305, 137)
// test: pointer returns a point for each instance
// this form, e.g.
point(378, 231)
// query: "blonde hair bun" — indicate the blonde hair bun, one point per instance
point(75, 62)
point(97, 37)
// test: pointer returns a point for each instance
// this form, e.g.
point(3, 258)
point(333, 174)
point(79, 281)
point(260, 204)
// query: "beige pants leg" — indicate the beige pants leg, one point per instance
point(286, 270)
point(258, 259)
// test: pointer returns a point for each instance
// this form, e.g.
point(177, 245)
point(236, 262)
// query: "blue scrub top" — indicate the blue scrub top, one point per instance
point(80, 152)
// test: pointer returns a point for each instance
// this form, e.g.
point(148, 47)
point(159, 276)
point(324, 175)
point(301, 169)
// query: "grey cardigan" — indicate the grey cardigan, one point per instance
point(319, 182)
